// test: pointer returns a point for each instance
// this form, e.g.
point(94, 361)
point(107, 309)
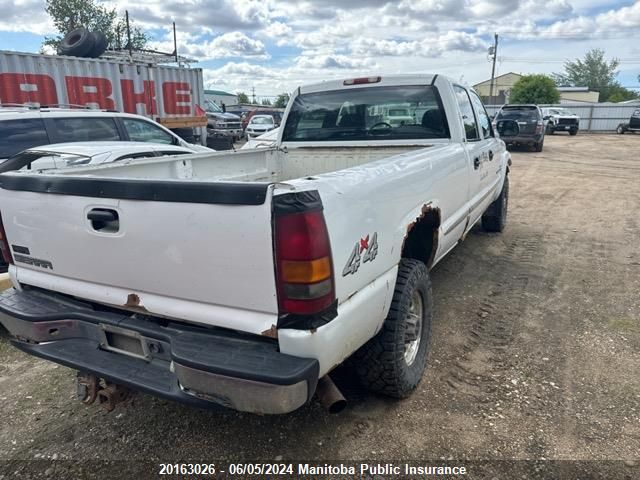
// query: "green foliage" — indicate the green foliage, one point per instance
point(282, 100)
point(534, 89)
point(596, 73)
point(67, 15)
point(621, 94)
point(266, 102)
point(243, 98)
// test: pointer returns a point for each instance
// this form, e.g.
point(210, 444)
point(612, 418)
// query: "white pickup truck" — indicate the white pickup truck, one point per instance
point(243, 279)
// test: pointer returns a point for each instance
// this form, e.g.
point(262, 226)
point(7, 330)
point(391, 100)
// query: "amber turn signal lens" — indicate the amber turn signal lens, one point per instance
point(310, 271)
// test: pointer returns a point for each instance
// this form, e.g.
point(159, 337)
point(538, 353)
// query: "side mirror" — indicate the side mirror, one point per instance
point(546, 117)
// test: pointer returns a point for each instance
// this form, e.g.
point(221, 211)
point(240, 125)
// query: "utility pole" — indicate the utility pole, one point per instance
point(253, 92)
point(493, 51)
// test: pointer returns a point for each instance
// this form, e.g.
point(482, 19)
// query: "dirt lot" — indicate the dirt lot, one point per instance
point(535, 354)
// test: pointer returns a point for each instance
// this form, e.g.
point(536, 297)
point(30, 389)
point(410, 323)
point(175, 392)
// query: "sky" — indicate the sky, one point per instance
point(274, 46)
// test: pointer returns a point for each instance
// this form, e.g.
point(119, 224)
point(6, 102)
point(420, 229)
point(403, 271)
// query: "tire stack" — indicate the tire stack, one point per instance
point(83, 43)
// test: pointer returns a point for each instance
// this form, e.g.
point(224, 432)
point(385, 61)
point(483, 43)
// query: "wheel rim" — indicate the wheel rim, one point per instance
point(413, 331)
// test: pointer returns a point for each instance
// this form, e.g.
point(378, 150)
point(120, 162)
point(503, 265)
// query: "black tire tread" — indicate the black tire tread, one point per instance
point(492, 219)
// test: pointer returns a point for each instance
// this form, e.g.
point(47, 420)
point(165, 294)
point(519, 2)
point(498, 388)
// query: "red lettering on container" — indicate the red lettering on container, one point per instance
point(131, 99)
point(177, 98)
point(90, 91)
point(23, 88)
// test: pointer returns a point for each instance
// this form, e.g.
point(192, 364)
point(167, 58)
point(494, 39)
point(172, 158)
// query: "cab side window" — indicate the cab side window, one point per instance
point(85, 129)
point(483, 116)
point(466, 110)
point(141, 131)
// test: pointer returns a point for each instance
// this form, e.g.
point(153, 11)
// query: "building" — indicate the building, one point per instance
point(219, 97)
point(503, 84)
point(578, 95)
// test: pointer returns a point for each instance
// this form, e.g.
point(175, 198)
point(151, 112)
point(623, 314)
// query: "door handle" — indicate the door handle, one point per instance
point(104, 220)
point(490, 155)
point(476, 163)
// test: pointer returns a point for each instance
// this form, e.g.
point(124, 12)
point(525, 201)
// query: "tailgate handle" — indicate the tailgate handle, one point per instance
point(104, 220)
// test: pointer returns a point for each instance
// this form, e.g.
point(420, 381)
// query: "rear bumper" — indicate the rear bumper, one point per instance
point(523, 139)
point(193, 365)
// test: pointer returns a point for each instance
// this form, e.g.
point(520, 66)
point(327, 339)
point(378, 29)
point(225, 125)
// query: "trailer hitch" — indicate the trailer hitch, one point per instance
point(90, 388)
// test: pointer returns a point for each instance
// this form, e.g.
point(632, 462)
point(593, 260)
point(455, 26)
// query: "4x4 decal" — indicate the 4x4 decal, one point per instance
point(365, 250)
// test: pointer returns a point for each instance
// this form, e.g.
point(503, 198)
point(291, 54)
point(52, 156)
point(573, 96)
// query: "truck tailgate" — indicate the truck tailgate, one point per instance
point(204, 259)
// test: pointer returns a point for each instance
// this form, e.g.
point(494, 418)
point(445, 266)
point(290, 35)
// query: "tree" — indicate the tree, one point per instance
point(621, 94)
point(243, 98)
point(266, 102)
point(534, 89)
point(67, 15)
point(596, 73)
point(282, 100)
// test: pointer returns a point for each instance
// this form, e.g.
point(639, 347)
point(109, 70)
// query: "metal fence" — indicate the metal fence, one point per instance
point(597, 117)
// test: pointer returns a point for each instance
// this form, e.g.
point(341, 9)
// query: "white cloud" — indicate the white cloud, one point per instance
point(334, 61)
point(25, 16)
point(232, 44)
point(429, 47)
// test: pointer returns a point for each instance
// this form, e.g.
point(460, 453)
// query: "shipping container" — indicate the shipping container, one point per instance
point(169, 95)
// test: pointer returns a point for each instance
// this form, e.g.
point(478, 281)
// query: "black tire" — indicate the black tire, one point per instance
point(100, 44)
point(185, 134)
point(538, 146)
point(220, 143)
point(549, 129)
point(77, 43)
point(494, 219)
point(573, 132)
point(382, 364)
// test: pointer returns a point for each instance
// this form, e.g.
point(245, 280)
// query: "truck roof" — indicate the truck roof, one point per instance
point(384, 80)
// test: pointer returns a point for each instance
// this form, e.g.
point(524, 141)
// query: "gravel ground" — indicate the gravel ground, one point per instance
point(535, 353)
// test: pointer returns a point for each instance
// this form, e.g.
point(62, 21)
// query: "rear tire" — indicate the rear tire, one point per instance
point(538, 146)
point(573, 132)
point(494, 218)
point(394, 361)
point(620, 130)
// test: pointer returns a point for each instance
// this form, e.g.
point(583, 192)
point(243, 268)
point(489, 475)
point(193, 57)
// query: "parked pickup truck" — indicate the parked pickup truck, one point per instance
point(243, 279)
point(560, 120)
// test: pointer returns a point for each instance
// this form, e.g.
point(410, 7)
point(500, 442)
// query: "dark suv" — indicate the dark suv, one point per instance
point(520, 125)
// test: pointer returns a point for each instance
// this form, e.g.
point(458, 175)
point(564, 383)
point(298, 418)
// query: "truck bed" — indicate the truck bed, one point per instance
point(260, 165)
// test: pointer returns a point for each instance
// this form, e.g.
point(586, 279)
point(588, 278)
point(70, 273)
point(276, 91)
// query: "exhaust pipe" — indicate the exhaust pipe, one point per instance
point(329, 395)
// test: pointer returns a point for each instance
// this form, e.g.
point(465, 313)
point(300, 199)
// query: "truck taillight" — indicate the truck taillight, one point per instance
point(539, 127)
point(304, 269)
point(4, 244)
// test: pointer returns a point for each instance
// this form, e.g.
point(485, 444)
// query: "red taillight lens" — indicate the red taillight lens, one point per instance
point(4, 244)
point(304, 268)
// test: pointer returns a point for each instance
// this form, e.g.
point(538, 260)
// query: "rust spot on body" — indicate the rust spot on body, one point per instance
point(271, 333)
point(133, 300)
point(430, 217)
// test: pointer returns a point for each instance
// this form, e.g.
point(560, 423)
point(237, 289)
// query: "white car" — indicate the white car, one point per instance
point(260, 124)
point(63, 155)
point(26, 127)
point(265, 140)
